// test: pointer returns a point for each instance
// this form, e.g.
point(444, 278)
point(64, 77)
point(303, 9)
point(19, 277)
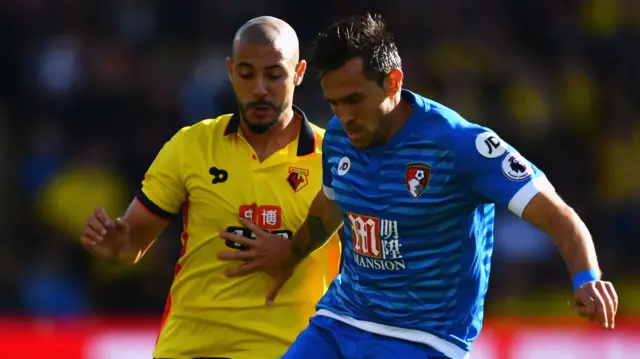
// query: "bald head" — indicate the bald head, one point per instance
point(268, 30)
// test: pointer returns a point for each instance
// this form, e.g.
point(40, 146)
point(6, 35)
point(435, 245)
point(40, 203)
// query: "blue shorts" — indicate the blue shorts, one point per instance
point(327, 338)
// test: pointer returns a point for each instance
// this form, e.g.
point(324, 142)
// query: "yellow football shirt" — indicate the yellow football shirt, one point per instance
point(211, 174)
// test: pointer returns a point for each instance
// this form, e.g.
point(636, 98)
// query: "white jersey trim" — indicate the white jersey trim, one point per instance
point(449, 349)
point(522, 198)
point(329, 192)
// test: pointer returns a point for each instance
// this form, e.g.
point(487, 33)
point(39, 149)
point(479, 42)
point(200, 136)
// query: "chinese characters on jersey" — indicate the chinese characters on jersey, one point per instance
point(268, 218)
point(376, 242)
point(265, 217)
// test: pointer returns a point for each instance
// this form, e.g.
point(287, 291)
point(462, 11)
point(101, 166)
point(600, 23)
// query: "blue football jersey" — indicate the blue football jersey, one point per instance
point(418, 215)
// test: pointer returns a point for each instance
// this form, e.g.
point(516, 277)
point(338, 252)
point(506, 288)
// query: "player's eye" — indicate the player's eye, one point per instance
point(352, 100)
point(246, 76)
point(274, 75)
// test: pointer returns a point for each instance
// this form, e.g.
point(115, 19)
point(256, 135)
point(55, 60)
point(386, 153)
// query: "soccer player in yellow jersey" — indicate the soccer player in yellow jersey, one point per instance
point(263, 163)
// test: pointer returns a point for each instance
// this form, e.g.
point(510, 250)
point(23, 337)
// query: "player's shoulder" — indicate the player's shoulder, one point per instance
point(216, 125)
point(442, 122)
point(475, 142)
point(440, 118)
point(206, 130)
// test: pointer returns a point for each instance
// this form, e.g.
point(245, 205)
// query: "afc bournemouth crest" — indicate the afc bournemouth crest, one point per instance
point(297, 178)
point(417, 178)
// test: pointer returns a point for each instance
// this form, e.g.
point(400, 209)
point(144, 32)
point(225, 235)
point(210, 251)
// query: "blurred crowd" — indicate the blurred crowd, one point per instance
point(89, 92)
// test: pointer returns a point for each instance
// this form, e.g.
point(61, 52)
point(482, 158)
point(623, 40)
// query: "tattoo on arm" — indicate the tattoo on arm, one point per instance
point(311, 236)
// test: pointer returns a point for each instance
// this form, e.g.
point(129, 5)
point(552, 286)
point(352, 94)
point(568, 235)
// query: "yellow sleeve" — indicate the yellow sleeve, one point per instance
point(163, 188)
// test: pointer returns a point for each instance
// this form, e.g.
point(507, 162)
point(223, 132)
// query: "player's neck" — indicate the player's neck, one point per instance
point(280, 135)
point(397, 118)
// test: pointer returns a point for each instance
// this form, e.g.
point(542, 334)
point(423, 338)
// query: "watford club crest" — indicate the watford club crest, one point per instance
point(297, 178)
point(417, 178)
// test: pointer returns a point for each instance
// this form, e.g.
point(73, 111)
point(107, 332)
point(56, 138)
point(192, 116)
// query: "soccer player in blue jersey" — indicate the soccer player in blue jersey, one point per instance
point(415, 185)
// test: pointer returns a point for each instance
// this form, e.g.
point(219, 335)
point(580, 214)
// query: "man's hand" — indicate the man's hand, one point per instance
point(267, 253)
point(598, 301)
point(104, 237)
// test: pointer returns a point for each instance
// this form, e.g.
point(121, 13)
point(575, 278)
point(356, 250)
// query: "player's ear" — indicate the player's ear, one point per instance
point(230, 67)
point(393, 82)
point(301, 68)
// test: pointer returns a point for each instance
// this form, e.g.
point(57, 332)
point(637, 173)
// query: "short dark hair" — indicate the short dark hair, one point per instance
point(364, 36)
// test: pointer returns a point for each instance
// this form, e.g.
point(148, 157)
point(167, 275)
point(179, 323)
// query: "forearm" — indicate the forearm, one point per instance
point(140, 239)
point(574, 241)
point(310, 236)
point(131, 254)
point(322, 222)
point(144, 229)
point(128, 254)
point(548, 212)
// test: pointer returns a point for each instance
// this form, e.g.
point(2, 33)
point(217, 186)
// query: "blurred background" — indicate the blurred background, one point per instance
point(89, 92)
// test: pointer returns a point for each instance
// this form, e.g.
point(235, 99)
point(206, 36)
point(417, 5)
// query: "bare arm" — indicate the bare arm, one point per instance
point(550, 213)
point(323, 220)
point(595, 299)
point(125, 240)
point(145, 228)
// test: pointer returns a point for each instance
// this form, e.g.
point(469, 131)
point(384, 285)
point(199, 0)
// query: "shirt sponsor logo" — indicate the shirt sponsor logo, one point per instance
point(265, 217)
point(268, 218)
point(376, 243)
point(218, 175)
point(489, 145)
point(344, 166)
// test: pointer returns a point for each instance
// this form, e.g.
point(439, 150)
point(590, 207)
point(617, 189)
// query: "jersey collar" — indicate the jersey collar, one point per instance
point(306, 139)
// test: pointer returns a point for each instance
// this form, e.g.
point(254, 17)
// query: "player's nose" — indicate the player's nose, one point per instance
point(259, 88)
point(343, 113)
point(347, 120)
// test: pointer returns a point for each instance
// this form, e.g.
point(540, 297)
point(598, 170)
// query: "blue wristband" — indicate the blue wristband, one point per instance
point(584, 277)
